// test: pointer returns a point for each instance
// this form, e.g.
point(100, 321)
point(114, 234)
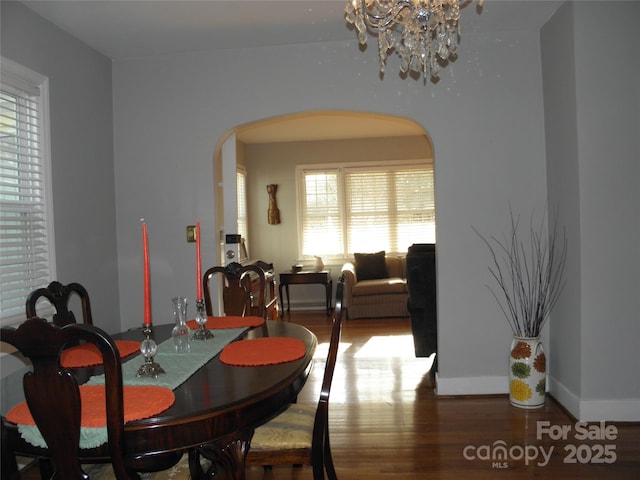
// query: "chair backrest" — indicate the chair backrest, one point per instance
point(59, 296)
point(243, 289)
point(52, 392)
point(271, 298)
point(320, 443)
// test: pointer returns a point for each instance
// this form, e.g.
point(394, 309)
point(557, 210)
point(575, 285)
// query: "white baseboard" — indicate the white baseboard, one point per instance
point(564, 396)
point(609, 410)
point(625, 410)
point(472, 385)
point(302, 305)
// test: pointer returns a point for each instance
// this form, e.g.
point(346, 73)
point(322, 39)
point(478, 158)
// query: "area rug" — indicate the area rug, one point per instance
point(179, 471)
point(104, 471)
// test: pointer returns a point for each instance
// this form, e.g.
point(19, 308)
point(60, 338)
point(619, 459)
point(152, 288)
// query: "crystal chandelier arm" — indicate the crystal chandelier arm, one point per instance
point(452, 13)
point(382, 19)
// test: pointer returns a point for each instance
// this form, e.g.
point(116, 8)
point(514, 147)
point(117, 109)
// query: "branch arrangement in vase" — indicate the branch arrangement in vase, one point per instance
point(529, 276)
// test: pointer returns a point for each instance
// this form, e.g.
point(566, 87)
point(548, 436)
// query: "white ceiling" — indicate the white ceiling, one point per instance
point(122, 29)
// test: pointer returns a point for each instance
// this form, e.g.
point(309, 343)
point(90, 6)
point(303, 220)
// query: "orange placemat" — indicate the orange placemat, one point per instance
point(228, 322)
point(263, 351)
point(139, 402)
point(88, 355)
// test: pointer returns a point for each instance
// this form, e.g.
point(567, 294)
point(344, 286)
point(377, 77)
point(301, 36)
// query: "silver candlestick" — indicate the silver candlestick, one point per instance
point(149, 348)
point(201, 319)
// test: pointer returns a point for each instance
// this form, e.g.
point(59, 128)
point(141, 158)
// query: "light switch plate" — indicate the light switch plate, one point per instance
point(191, 233)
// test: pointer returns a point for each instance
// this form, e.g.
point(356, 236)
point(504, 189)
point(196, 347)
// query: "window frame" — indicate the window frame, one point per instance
point(342, 169)
point(16, 76)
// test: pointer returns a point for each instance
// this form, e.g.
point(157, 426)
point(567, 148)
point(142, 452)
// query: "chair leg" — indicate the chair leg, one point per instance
point(328, 459)
point(9, 464)
point(322, 459)
point(318, 460)
point(46, 468)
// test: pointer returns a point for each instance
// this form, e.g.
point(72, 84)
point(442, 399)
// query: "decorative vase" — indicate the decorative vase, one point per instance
point(180, 331)
point(319, 264)
point(527, 373)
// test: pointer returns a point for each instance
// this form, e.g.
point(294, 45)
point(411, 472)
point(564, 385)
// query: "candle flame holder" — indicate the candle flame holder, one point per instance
point(149, 348)
point(201, 319)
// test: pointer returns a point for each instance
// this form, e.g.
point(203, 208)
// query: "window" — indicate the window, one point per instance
point(349, 208)
point(241, 186)
point(243, 218)
point(27, 259)
point(322, 214)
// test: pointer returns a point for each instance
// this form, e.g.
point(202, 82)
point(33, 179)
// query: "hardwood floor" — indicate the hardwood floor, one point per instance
point(387, 422)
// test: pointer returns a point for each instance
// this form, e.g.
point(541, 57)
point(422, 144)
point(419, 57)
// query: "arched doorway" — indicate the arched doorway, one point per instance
point(275, 140)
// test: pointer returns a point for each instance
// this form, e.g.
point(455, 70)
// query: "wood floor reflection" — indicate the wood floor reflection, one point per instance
point(387, 422)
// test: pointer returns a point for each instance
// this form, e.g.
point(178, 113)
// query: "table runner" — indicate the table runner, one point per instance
point(228, 322)
point(178, 367)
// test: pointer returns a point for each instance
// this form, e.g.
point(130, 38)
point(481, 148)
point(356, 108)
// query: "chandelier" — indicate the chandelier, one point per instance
point(424, 33)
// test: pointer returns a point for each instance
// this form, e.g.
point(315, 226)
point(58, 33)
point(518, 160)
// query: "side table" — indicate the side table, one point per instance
point(305, 278)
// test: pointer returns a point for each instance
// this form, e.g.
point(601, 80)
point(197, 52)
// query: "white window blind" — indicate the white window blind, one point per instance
point(322, 214)
point(351, 209)
point(388, 209)
point(241, 193)
point(26, 248)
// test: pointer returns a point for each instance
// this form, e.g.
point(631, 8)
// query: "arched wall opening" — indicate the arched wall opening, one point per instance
point(269, 149)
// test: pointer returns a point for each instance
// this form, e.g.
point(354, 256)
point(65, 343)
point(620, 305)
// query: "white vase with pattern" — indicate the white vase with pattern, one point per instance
point(527, 373)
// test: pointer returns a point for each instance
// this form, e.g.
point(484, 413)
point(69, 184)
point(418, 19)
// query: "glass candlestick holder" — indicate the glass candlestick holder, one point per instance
point(201, 319)
point(149, 348)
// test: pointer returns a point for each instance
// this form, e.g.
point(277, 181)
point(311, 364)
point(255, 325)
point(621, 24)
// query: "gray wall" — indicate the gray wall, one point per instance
point(81, 115)
point(485, 119)
point(487, 125)
point(592, 117)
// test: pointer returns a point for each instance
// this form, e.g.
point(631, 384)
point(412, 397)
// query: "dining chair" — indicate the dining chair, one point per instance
point(271, 298)
point(59, 296)
point(300, 435)
point(243, 289)
point(53, 397)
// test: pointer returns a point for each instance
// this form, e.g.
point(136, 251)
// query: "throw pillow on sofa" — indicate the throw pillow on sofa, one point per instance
point(371, 266)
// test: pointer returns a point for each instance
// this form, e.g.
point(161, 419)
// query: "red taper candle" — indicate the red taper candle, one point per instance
point(198, 264)
point(147, 288)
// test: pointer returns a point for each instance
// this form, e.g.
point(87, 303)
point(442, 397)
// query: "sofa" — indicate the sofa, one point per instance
point(376, 286)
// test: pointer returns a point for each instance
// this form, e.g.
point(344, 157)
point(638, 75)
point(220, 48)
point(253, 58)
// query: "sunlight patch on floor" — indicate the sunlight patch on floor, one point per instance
point(322, 350)
point(387, 346)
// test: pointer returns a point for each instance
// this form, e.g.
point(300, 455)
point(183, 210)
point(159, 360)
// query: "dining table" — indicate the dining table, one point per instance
point(219, 403)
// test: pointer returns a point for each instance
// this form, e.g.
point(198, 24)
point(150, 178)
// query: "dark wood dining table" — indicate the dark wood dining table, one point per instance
point(218, 403)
